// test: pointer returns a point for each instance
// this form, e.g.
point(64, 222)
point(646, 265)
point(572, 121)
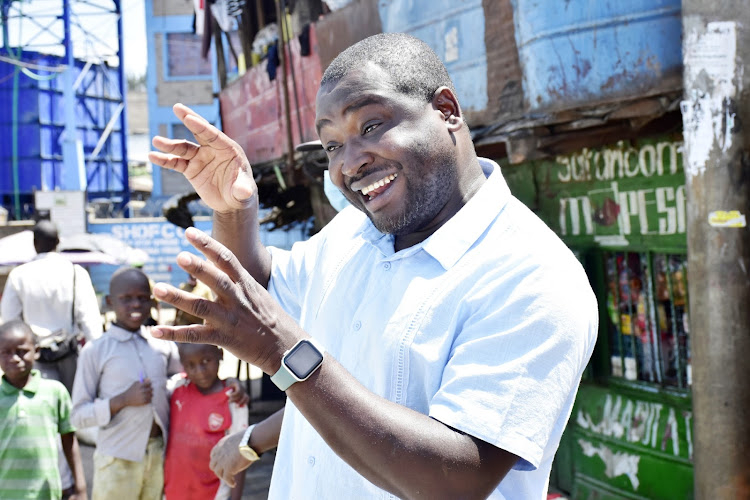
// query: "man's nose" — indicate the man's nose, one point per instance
point(356, 156)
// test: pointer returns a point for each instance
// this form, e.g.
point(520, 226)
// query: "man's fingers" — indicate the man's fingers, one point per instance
point(181, 111)
point(169, 161)
point(191, 334)
point(204, 132)
point(197, 306)
point(177, 147)
point(219, 255)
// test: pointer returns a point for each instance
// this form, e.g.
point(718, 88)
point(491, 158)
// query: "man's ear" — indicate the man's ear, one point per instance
point(446, 102)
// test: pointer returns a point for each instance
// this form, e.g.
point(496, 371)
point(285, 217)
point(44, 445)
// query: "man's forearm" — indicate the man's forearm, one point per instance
point(239, 232)
point(398, 449)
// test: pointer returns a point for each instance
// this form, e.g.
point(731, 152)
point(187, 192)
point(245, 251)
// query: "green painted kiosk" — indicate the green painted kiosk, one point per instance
point(622, 210)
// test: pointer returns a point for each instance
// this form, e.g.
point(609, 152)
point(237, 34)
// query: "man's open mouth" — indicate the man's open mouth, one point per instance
point(377, 187)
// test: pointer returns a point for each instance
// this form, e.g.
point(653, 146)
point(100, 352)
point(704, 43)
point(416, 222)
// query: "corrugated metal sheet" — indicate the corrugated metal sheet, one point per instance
point(455, 30)
point(252, 107)
point(579, 51)
point(343, 28)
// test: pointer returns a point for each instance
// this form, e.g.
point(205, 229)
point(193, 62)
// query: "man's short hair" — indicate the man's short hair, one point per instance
point(415, 69)
point(46, 236)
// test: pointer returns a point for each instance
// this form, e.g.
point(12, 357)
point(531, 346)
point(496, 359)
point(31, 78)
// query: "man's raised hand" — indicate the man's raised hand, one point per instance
point(243, 318)
point(216, 167)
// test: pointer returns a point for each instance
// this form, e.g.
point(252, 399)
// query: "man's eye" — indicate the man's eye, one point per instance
point(330, 149)
point(369, 128)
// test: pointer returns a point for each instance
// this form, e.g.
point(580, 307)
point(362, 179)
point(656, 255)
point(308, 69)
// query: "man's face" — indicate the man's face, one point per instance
point(390, 154)
point(17, 354)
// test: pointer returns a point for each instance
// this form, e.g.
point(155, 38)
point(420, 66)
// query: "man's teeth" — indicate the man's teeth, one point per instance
point(377, 184)
point(136, 315)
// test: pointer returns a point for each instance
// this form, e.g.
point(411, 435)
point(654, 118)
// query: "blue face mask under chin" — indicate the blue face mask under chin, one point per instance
point(335, 198)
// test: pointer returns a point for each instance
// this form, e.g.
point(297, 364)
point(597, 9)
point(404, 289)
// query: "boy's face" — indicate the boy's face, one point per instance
point(201, 364)
point(130, 299)
point(17, 355)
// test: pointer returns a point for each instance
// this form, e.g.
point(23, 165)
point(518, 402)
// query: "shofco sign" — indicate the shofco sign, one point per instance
point(616, 196)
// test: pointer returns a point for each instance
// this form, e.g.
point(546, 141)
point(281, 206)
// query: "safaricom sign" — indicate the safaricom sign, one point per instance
point(616, 195)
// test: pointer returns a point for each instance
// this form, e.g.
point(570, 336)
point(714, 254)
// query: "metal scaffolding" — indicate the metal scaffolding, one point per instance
point(69, 50)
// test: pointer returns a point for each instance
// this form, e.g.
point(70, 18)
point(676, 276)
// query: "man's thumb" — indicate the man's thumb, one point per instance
point(243, 187)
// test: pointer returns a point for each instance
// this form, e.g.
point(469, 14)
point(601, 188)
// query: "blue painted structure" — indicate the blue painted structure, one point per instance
point(163, 115)
point(455, 31)
point(579, 51)
point(162, 241)
point(40, 120)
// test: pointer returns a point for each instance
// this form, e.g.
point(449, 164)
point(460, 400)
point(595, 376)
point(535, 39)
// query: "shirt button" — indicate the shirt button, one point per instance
point(357, 325)
point(311, 460)
point(387, 266)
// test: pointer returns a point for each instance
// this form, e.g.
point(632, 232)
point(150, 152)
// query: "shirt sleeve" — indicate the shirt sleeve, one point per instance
point(239, 418)
point(87, 314)
point(64, 424)
point(516, 363)
point(10, 303)
point(309, 266)
point(175, 382)
point(88, 410)
point(284, 282)
point(174, 366)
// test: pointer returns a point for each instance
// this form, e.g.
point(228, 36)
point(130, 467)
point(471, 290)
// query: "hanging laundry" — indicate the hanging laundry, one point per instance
point(198, 14)
point(235, 7)
point(304, 40)
point(219, 9)
point(207, 30)
point(272, 63)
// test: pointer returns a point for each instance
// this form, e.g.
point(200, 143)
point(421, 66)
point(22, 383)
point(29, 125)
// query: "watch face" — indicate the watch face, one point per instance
point(303, 360)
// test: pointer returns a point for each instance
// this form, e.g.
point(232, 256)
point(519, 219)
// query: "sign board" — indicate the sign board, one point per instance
point(67, 209)
point(620, 196)
point(163, 241)
point(160, 239)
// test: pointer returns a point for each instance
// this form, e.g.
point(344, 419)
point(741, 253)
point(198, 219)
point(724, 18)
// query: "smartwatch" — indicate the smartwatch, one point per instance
point(245, 449)
point(298, 363)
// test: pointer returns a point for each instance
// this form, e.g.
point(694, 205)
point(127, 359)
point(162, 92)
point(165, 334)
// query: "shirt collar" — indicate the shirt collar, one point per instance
point(124, 335)
point(454, 238)
point(46, 255)
point(32, 385)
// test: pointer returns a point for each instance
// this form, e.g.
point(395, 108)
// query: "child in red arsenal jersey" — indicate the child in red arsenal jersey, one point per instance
point(200, 415)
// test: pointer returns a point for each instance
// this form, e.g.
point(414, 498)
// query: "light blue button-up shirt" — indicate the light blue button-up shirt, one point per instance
point(486, 326)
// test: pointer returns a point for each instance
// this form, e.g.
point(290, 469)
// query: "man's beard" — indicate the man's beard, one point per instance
point(428, 189)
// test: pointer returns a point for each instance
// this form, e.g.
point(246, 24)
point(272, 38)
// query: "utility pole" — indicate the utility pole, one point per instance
point(716, 118)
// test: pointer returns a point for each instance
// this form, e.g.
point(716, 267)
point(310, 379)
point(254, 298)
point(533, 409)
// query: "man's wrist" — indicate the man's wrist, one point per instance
point(298, 363)
point(245, 214)
point(247, 452)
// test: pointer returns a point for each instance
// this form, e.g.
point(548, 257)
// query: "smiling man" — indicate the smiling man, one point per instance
point(430, 339)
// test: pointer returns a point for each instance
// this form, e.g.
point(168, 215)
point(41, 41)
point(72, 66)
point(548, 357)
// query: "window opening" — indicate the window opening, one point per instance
point(647, 317)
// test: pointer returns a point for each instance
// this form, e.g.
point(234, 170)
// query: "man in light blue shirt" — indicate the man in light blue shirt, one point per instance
point(430, 339)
